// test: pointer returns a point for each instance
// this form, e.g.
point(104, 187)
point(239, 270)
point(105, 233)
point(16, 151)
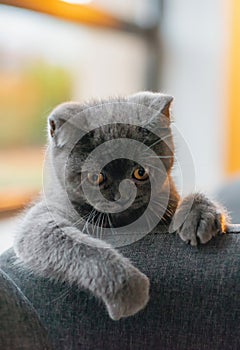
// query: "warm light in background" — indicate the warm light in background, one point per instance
point(233, 151)
point(77, 1)
point(63, 9)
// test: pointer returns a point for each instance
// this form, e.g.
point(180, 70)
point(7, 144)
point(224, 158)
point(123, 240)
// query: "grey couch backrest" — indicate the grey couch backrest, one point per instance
point(194, 300)
point(20, 327)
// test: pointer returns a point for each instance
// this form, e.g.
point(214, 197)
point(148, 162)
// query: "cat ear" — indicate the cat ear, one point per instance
point(61, 121)
point(158, 101)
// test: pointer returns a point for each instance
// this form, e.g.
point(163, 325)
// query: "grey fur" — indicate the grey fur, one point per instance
point(53, 244)
point(198, 219)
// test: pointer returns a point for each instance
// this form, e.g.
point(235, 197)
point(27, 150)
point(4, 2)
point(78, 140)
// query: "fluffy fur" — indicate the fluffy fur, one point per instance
point(53, 243)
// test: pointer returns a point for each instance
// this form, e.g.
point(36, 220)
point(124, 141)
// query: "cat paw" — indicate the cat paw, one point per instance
point(131, 297)
point(198, 219)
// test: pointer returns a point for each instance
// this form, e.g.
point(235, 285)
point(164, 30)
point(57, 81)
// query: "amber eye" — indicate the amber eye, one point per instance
point(95, 179)
point(140, 174)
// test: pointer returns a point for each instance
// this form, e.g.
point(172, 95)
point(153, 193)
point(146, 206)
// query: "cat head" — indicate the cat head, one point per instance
point(97, 146)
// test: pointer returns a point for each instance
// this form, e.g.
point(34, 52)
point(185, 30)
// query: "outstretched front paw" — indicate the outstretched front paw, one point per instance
point(197, 219)
point(131, 297)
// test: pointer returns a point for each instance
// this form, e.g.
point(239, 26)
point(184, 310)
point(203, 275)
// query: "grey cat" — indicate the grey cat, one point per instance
point(61, 236)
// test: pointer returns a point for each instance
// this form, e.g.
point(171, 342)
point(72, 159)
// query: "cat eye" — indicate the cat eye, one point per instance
point(95, 179)
point(140, 174)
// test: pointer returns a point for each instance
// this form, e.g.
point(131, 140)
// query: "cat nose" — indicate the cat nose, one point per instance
point(117, 196)
point(121, 200)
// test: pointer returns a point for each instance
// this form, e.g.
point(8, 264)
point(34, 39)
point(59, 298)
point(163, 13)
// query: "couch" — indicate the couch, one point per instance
point(194, 302)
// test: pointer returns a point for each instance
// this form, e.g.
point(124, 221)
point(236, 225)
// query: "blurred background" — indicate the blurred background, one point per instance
point(53, 51)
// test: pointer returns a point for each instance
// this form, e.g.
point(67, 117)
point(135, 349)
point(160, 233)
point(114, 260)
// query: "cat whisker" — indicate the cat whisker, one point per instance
point(101, 225)
point(85, 227)
point(170, 199)
point(82, 219)
point(153, 212)
point(97, 224)
point(110, 224)
point(163, 218)
point(159, 199)
point(92, 221)
point(167, 210)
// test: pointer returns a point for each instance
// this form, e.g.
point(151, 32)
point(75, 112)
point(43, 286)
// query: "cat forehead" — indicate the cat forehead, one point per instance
point(115, 112)
point(119, 166)
point(93, 115)
point(98, 152)
point(98, 149)
point(115, 141)
point(71, 121)
point(119, 130)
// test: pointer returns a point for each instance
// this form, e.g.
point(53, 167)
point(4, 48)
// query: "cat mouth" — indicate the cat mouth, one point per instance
point(110, 222)
point(120, 219)
point(112, 208)
point(97, 222)
point(99, 217)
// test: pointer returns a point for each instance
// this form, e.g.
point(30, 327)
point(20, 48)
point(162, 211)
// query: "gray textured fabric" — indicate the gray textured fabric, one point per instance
point(194, 300)
point(20, 327)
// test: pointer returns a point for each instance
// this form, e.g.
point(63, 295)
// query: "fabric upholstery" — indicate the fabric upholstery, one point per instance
point(194, 300)
point(20, 327)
